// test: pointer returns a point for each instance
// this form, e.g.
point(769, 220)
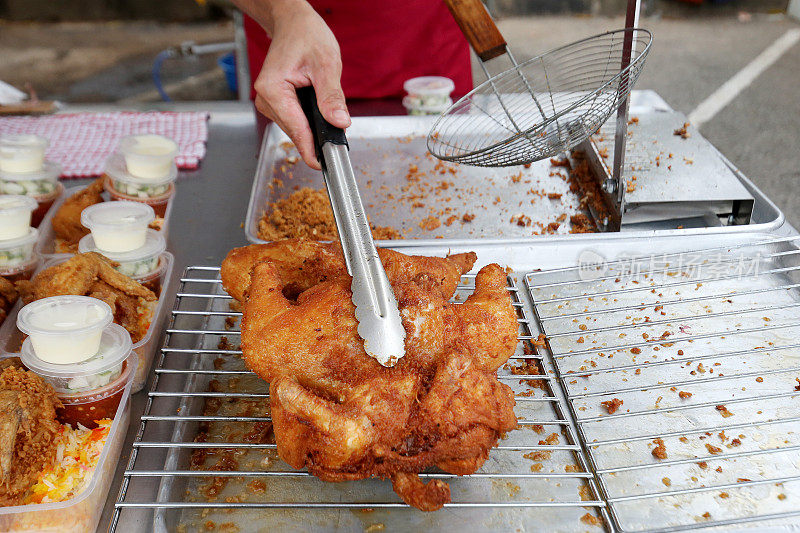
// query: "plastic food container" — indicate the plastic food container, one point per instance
point(17, 252)
point(158, 203)
point(45, 203)
point(41, 185)
point(82, 512)
point(118, 227)
point(15, 215)
point(84, 376)
point(429, 92)
point(145, 349)
point(22, 153)
point(150, 157)
point(414, 108)
point(46, 247)
point(137, 264)
point(65, 329)
point(23, 270)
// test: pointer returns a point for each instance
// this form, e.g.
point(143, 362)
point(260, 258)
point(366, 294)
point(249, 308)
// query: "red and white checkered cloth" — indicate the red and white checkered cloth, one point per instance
point(81, 142)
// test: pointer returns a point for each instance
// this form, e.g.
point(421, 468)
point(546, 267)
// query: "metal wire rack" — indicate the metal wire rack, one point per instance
point(203, 453)
point(682, 372)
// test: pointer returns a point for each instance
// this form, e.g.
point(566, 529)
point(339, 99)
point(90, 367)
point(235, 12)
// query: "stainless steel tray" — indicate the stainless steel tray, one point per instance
point(730, 303)
point(383, 148)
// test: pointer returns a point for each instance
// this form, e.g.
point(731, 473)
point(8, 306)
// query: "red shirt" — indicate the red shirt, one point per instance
point(384, 43)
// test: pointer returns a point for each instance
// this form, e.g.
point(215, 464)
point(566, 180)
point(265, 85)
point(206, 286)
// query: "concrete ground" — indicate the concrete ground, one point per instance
point(691, 58)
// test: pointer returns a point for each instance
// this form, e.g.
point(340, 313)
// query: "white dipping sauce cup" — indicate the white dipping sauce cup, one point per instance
point(15, 215)
point(118, 226)
point(65, 329)
point(22, 153)
point(148, 156)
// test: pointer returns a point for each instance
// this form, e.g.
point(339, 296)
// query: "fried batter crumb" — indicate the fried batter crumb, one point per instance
point(307, 213)
point(660, 451)
point(612, 405)
point(590, 519)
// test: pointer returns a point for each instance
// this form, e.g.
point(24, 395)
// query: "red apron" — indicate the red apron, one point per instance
point(384, 43)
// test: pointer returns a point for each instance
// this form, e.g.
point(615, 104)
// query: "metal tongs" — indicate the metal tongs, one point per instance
point(379, 322)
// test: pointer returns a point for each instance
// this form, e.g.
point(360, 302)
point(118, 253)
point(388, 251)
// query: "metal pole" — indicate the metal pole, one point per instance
point(242, 63)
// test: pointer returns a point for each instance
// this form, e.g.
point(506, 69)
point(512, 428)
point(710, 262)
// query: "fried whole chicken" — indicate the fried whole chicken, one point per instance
point(339, 413)
point(8, 297)
point(91, 274)
point(28, 429)
point(67, 220)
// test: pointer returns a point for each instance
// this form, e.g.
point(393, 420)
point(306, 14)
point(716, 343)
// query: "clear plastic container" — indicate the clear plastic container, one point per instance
point(46, 247)
point(34, 183)
point(428, 92)
point(15, 215)
point(118, 227)
point(145, 349)
point(137, 264)
point(65, 329)
point(159, 203)
point(149, 157)
point(82, 512)
point(45, 202)
point(17, 252)
point(415, 108)
point(88, 375)
point(22, 153)
point(22, 271)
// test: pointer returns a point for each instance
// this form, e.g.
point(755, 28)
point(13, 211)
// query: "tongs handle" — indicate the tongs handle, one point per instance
point(478, 27)
point(322, 130)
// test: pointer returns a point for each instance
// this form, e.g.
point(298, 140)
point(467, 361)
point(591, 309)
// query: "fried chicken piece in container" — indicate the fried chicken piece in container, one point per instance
point(339, 413)
point(91, 274)
point(28, 429)
point(67, 220)
point(8, 297)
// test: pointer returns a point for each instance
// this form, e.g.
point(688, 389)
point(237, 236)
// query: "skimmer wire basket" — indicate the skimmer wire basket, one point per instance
point(543, 106)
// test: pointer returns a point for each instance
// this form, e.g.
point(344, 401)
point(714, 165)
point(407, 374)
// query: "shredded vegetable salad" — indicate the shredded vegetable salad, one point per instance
point(78, 452)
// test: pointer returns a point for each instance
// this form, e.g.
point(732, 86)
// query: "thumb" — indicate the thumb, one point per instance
point(331, 102)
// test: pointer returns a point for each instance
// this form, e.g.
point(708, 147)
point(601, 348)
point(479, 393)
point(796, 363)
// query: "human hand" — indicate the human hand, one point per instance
point(303, 52)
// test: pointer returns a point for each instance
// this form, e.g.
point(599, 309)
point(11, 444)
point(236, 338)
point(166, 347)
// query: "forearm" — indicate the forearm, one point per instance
point(269, 13)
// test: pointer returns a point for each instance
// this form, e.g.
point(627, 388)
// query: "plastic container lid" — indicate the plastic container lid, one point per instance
point(154, 245)
point(49, 172)
point(115, 347)
point(30, 238)
point(17, 203)
point(429, 85)
point(23, 141)
point(66, 328)
point(118, 171)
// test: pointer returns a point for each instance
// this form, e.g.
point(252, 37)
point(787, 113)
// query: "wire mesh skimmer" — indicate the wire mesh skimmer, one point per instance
point(543, 106)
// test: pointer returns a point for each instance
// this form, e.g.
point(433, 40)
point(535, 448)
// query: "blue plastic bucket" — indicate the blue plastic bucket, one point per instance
point(228, 65)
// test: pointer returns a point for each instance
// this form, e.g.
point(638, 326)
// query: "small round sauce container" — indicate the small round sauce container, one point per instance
point(15, 215)
point(22, 153)
point(148, 157)
point(414, 108)
point(428, 92)
point(118, 227)
point(64, 329)
point(42, 185)
point(158, 203)
point(15, 253)
point(137, 264)
point(90, 390)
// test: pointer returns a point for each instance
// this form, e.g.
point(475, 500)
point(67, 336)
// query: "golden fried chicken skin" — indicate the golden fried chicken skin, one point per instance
point(67, 220)
point(8, 297)
point(91, 274)
point(343, 416)
point(28, 429)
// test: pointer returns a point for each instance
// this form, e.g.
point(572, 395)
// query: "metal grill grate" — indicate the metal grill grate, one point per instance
point(701, 350)
point(201, 387)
